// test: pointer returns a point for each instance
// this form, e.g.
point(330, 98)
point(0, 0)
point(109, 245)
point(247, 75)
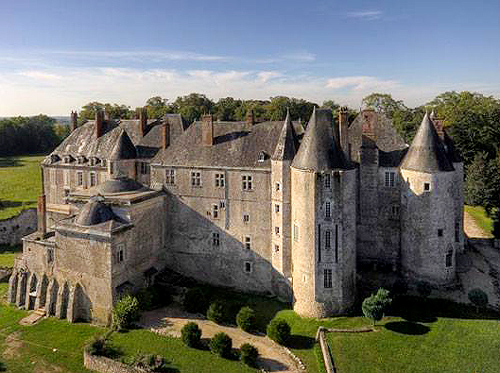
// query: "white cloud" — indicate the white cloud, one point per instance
point(265, 76)
point(302, 56)
point(138, 55)
point(361, 83)
point(40, 75)
point(368, 15)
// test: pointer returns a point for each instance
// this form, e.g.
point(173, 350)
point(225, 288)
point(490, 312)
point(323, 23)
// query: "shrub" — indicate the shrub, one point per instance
point(96, 347)
point(279, 331)
point(478, 298)
point(149, 362)
point(195, 301)
point(221, 344)
point(424, 288)
point(191, 334)
point(376, 305)
point(249, 354)
point(245, 319)
point(215, 312)
point(152, 297)
point(126, 312)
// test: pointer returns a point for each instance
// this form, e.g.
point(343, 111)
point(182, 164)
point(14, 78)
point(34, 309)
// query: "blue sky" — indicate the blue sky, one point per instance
point(56, 56)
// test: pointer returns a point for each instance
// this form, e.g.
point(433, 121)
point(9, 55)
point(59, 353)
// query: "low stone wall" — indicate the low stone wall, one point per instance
point(106, 365)
point(325, 350)
point(13, 229)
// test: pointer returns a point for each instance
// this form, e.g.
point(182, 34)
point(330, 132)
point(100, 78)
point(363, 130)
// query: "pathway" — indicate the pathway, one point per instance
point(472, 230)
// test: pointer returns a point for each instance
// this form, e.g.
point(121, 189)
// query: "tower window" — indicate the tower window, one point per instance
point(120, 254)
point(246, 182)
point(328, 210)
point(248, 243)
point(390, 178)
point(79, 178)
point(277, 186)
point(215, 239)
point(395, 211)
point(215, 211)
point(277, 230)
point(220, 181)
point(276, 248)
point(449, 258)
point(246, 218)
point(170, 176)
point(427, 187)
point(144, 168)
point(328, 181)
point(195, 178)
point(440, 233)
point(328, 239)
point(248, 267)
point(327, 278)
point(92, 179)
point(336, 243)
point(276, 208)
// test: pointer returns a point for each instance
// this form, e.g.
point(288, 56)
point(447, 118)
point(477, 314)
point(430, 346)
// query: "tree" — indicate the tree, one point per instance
point(88, 111)
point(225, 108)
point(126, 312)
point(478, 298)
point(192, 106)
point(376, 305)
point(157, 107)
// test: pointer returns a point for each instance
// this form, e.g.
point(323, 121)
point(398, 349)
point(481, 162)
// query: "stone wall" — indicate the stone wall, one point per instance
point(105, 365)
point(14, 229)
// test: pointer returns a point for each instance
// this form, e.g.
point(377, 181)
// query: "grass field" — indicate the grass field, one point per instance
point(481, 219)
point(8, 254)
point(20, 184)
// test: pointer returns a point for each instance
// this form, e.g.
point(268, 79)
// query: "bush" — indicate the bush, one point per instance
point(126, 312)
point(96, 347)
point(191, 334)
point(424, 288)
point(215, 312)
point(153, 297)
point(245, 319)
point(279, 331)
point(195, 301)
point(249, 354)
point(376, 305)
point(149, 363)
point(478, 298)
point(221, 344)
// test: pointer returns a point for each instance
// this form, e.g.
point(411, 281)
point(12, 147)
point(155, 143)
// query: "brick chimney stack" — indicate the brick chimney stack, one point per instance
point(107, 116)
point(143, 120)
point(99, 123)
point(250, 119)
point(166, 135)
point(343, 126)
point(207, 130)
point(73, 120)
point(41, 209)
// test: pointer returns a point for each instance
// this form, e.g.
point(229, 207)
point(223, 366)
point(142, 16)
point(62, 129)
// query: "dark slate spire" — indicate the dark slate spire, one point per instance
point(319, 150)
point(426, 152)
point(287, 145)
point(124, 148)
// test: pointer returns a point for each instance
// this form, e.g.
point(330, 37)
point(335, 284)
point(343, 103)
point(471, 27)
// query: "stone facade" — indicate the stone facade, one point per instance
point(259, 207)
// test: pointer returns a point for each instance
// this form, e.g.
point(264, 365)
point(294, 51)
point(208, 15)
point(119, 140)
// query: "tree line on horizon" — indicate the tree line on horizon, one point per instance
point(471, 119)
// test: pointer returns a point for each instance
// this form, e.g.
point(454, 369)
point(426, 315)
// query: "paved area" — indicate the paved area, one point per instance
point(472, 230)
point(170, 320)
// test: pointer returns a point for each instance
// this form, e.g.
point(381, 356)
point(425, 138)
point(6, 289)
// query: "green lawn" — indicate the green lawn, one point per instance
point(8, 254)
point(481, 219)
point(20, 184)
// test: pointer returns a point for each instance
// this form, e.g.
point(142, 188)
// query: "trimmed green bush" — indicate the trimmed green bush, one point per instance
point(279, 331)
point(245, 319)
point(126, 312)
point(221, 344)
point(249, 354)
point(478, 298)
point(376, 304)
point(215, 312)
point(195, 301)
point(191, 334)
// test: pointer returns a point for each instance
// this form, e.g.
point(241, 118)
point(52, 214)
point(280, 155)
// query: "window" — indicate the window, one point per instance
point(427, 187)
point(215, 211)
point(92, 161)
point(390, 178)
point(327, 278)
point(196, 178)
point(170, 176)
point(220, 180)
point(248, 267)
point(103, 162)
point(66, 178)
point(395, 211)
point(50, 255)
point(277, 186)
point(120, 254)
point(215, 239)
point(246, 218)
point(276, 208)
point(246, 182)
point(328, 210)
point(248, 243)
point(93, 180)
point(449, 258)
point(336, 243)
point(111, 167)
point(295, 232)
point(328, 239)
point(222, 204)
point(79, 178)
point(328, 181)
point(144, 168)
point(262, 156)
point(276, 248)
point(457, 231)
point(440, 233)
point(277, 230)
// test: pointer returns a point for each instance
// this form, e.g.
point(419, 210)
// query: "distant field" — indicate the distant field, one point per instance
point(20, 184)
point(482, 220)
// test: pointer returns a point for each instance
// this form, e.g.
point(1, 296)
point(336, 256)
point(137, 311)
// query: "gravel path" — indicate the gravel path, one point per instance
point(170, 320)
point(472, 230)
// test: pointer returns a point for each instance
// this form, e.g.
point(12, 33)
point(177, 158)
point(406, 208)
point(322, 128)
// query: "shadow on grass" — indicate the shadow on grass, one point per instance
point(301, 342)
point(8, 249)
point(10, 162)
point(407, 327)
point(5, 204)
point(271, 365)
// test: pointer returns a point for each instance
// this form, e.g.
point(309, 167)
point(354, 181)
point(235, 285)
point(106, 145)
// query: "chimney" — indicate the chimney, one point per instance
point(343, 125)
point(166, 135)
point(99, 119)
point(41, 212)
point(73, 120)
point(143, 120)
point(369, 121)
point(107, 116)
point(438, 125)
point(207, 130)
point(250, 119)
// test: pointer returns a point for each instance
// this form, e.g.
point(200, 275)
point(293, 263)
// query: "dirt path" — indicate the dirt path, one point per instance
point(170, 320)
point(472, 230)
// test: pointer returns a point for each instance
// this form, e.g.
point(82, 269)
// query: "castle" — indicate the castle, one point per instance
point(260, 207)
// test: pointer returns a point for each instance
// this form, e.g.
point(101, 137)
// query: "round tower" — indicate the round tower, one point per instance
point(323, 217)
point(428, 209)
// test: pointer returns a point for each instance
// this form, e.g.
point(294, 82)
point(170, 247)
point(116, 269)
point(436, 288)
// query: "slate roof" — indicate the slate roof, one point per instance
point(118, 185)
point(236, 144)
point(426, 152)
point(288, 142)
point(319, 150)
point(94, 212)
point(124, 148)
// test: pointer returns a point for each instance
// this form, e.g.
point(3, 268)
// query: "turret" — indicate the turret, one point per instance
point(428, 239)
point(323, 222)
point(122, 157)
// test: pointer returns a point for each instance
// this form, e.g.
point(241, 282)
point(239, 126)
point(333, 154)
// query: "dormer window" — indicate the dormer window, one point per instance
point(93, 161)
point(67, 159)
point(103, 163)
point(262, 156)
point(81, 159)
point(54, 158)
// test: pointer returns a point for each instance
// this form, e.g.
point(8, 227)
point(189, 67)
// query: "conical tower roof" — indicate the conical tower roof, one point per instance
point(426, 152)
point(124, 148)
point(319, 150)
point(287, 145)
